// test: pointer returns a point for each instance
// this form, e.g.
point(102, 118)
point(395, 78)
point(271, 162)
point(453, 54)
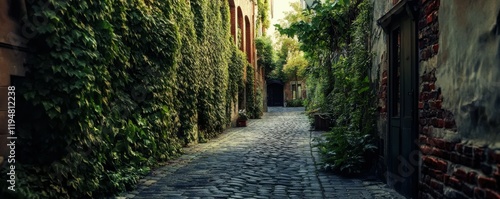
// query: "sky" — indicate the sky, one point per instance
point(280, 6)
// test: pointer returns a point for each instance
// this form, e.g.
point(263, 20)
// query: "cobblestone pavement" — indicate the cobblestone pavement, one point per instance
point(270, 158)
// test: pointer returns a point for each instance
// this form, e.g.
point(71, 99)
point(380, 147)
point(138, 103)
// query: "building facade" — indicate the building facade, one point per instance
point(244, 32)
point(437, 66)
point(295, 90)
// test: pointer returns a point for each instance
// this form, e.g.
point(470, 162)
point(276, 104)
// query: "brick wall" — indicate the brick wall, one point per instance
point(450, 168)
point(287, 88)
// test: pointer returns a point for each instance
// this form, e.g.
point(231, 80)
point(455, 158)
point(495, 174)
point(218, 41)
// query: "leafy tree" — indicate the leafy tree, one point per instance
point(295, 67)
point(263, 13)
point(286, 46)
point(265, 53)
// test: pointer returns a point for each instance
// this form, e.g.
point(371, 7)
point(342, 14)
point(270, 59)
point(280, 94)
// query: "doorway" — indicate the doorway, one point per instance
point(275, 93)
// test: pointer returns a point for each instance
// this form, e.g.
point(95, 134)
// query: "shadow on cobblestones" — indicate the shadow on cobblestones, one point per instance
point(271, 158)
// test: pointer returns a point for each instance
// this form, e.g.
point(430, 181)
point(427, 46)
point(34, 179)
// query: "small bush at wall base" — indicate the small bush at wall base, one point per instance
point(295, 103)
point(346, 152)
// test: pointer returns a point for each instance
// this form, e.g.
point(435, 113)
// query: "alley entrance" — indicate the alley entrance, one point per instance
point(271, 158)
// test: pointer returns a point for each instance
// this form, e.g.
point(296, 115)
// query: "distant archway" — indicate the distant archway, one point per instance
point(275, 93)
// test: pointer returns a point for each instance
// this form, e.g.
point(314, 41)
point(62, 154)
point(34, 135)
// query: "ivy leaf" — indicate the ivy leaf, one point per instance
point(344, 2)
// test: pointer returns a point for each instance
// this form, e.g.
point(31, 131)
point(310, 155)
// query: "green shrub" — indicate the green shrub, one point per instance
point(346, 151)
point(335, 38)
point(295, 103)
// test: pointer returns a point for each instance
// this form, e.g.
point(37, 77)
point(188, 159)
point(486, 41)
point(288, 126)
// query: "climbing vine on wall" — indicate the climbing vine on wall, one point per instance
point(263, 14)
point(253, 108)
point(116, 86)
point(237, 84)
point(265, 54)
point(213, 36)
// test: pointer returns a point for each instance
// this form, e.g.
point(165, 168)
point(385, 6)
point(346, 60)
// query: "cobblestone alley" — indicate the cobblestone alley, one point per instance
point(271, 158)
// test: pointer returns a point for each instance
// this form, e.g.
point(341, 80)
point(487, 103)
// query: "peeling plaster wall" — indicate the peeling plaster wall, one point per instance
point(380, 65)
point(469, 67)
point(379, 45)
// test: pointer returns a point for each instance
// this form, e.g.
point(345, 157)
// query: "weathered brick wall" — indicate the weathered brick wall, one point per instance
point(450, 167)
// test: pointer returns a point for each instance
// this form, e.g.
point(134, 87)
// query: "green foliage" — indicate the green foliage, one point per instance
point(263, 13)
point(346, 151)
point(236, 82)
point(265, 53)
point(335, 37)
point(259, 101)
point(116, 86)
point(253, 109)
point(295, 103)
point(295, 67)
point(287, 47)
point(213, 78)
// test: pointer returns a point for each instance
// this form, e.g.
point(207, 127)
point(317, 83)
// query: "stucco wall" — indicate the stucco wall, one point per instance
point(469, 67)
point(380, 65)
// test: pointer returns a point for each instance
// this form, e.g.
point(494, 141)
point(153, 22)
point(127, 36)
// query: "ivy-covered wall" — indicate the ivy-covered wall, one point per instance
point(116, 86)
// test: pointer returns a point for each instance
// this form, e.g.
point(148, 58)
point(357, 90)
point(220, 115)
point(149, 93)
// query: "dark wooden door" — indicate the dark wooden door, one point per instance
point(275, 94)
point(402, 107)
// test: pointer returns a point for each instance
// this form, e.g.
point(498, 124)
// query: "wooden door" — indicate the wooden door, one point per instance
point(402, 106)
point(275, 94)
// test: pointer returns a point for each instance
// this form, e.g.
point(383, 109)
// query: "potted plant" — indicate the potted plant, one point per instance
point(242, 118)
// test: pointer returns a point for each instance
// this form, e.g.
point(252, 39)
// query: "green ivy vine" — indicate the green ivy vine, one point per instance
point(115, 87)
point(252, 107)
point(263, 14)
